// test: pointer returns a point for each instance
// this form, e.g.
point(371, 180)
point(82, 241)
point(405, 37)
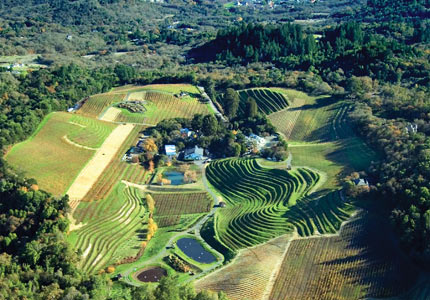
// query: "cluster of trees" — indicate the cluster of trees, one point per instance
point(24, 101)
point(36, 261)
point(169, 289)
point(221, 139)
point(386, 116)
point(348, 49)
point(255, 42)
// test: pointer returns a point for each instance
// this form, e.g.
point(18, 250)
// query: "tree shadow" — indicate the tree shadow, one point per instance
point(375, 260)
point(320, 102)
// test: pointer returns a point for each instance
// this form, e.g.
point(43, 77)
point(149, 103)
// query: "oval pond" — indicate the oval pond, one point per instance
point(193, 249)
point(152, 274)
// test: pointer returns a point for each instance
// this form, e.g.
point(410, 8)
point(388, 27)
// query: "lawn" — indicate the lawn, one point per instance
point(47, 157)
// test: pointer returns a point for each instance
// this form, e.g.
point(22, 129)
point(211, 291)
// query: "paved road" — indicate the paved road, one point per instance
point(196, 229)
point(289, 159)
point(217, 112)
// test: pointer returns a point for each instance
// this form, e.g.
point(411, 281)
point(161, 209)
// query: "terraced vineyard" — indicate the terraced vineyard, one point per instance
point(363, 262)
point(94, 106)
point(89, 132)
point(285, 119)
point(267, 100)
point(258, 199)
point(111, 232)
point(320, 214)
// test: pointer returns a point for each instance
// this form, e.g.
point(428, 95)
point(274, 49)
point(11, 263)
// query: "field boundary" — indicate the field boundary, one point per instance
point(95, 167)
point(275, 273)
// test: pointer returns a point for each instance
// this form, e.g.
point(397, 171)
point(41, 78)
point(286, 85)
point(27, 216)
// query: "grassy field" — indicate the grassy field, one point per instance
point(113, 230)
point(268, 101)
point(49, 158)
point(320, 137)
point(363, 262)
point(257, 200)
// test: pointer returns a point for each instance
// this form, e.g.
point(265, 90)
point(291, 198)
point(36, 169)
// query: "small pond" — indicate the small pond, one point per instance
point(193, 249)
point(176, 178)
point(152, 274)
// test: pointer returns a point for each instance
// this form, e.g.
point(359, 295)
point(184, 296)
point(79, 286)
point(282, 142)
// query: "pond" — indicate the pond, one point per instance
point(193, 249)
point(152, 274)
point(176, 178)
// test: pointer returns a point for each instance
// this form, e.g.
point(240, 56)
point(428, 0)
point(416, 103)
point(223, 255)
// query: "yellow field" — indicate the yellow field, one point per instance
point(48, 158)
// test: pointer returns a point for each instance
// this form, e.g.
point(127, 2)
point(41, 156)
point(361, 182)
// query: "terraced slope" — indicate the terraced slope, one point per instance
point(267, 100)
point(319, 214)
point(258, 200)
point(112, 232)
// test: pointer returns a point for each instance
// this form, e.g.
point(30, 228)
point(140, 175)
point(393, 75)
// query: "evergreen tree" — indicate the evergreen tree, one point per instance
point(251, 108)
point(231, 103)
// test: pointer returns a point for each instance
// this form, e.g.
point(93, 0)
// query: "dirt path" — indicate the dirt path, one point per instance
point(77, 124)
point(95, 167)
point(111, 114)
point(135, 185)
point(77, 145)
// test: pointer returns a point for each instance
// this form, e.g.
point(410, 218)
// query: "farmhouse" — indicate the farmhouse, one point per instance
point(170, 150)
point(411, 128)
point(195, 153)
point(185, 132)
point(361, 182)
point(255, 140)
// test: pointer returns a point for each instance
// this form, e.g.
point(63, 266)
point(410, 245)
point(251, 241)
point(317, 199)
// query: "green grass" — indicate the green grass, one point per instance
point(47, 157)
point(114, 231)
point(322, 137)
point(257, 200)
